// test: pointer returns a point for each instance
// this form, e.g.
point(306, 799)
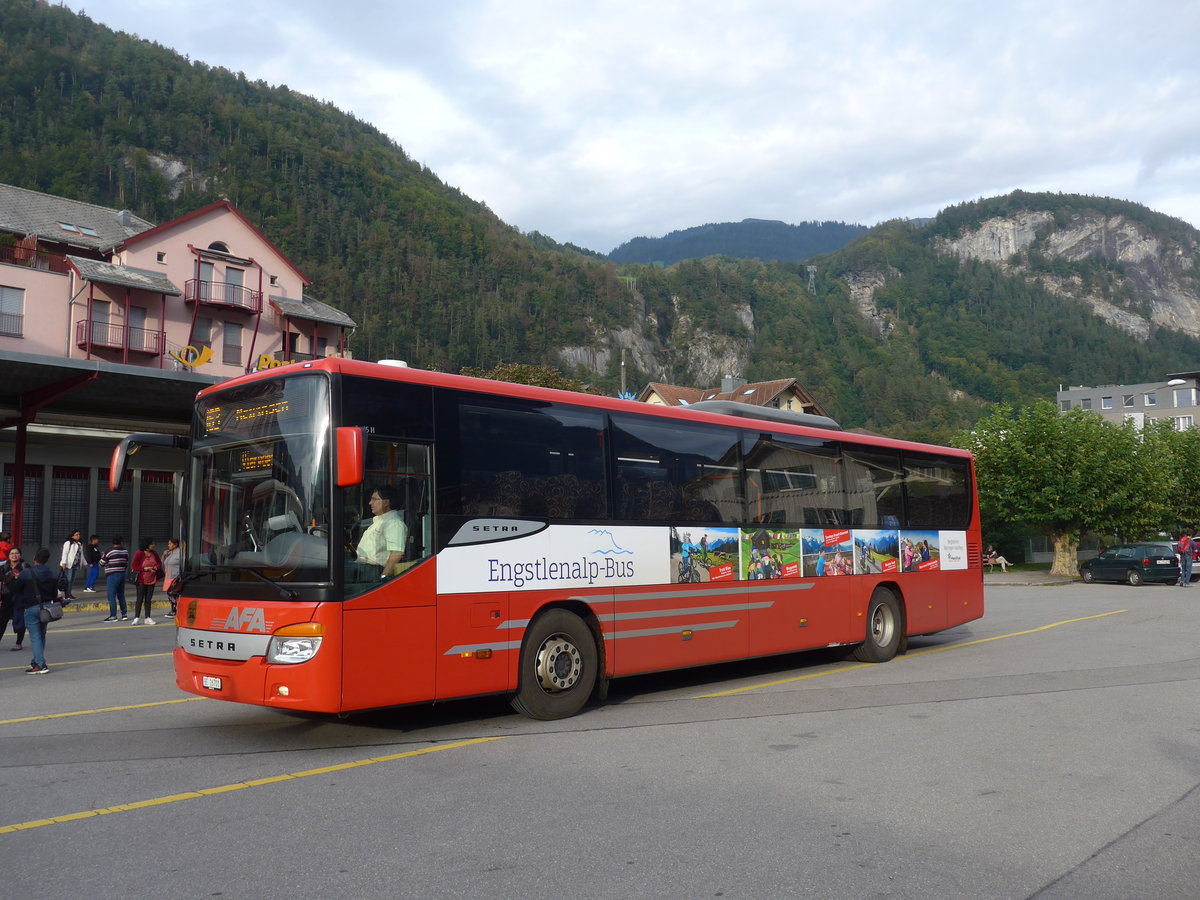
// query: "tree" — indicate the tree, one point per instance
point(1066, 474)
point(524, 373)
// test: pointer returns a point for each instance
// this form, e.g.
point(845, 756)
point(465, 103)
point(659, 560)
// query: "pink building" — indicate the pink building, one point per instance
point(110, 324)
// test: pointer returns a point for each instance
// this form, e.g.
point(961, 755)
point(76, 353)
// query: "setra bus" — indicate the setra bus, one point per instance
point(362, 535)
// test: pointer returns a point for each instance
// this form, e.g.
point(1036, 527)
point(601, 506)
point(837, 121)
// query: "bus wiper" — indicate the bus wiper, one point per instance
point(286, 593)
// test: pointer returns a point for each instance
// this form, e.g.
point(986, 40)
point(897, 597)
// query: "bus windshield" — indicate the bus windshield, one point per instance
point(260, 483)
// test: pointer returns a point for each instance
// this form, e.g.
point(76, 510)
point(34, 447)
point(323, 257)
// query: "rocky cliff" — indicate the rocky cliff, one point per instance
point(1120, 268)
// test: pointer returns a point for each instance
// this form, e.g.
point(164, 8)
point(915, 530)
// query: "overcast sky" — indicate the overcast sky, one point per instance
point(601, 121)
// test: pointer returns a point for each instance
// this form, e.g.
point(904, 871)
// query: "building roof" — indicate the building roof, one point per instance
point(756, 394)
point(123, 276)
point(157, 230)
point(310, 309)
point(96, 228)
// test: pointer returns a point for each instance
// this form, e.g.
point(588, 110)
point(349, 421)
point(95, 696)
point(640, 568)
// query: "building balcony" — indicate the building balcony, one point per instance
point(34, 259)
point(112, 337)
point(221, 295)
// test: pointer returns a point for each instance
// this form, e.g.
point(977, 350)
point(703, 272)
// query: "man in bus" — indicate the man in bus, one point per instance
point(382, 544)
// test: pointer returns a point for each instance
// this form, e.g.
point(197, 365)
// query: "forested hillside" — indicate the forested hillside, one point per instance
point(748, 239)
point(428, 273)
point(892, 332)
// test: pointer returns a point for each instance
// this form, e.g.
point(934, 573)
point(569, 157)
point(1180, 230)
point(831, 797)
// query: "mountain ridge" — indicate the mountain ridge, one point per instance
point(892, 331)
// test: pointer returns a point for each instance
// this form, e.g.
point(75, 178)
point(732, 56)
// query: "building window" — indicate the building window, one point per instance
point(1185, 397)
point(1183, 423)
point(274, 280)
point(202, 333)
point(1128, 400)
point(1106, 403)
point(1064, 405)
point(1086, 403)
point(233, 344)
point(12, 311)
point(162, 257)
point(1152, 399)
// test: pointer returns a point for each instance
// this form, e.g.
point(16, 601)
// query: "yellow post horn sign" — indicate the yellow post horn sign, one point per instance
point(192, 356)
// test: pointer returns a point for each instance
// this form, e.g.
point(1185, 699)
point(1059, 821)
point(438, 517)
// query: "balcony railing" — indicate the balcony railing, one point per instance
point(218, 293)
point(12, 324)
point(34, 259)
point(111, 337)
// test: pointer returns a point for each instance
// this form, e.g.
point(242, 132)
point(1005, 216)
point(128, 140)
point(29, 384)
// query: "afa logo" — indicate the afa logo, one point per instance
point(251, 618)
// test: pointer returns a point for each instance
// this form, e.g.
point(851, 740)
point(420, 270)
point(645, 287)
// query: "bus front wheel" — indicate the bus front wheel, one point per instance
point(558, 666)
point(884, 628)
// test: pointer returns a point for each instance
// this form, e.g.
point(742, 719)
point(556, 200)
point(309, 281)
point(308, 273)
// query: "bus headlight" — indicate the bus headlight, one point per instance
point(295, 643)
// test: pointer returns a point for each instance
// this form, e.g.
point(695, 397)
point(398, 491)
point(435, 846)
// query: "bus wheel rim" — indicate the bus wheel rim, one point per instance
point(559, 664)
point(882, 624)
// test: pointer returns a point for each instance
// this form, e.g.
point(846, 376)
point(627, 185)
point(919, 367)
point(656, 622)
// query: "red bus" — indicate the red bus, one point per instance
point(361, 536)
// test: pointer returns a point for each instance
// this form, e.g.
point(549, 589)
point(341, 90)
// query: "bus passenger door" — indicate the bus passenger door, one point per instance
point(390, 579)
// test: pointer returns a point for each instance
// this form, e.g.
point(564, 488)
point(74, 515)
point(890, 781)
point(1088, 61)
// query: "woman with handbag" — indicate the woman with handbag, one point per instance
point(147, 567)
point(34, 586)
point(173, 568)
point(10, 568)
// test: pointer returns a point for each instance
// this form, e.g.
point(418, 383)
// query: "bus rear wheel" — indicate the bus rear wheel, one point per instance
point(884, 628)
point(558, 666)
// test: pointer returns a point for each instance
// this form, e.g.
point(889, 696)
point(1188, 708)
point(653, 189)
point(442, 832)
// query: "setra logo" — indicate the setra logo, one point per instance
point(251, 618)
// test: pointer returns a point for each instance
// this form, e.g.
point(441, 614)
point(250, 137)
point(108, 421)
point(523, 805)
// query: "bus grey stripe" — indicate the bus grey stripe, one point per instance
point(692, 611)
point(734, 588)
point(656, 632)
point(501, 645)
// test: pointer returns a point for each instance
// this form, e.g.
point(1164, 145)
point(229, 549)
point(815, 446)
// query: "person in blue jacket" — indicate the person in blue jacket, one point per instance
point(34, 586)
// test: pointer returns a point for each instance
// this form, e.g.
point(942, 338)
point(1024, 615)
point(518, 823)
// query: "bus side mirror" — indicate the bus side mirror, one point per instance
point(130, 445)
point(349, 456)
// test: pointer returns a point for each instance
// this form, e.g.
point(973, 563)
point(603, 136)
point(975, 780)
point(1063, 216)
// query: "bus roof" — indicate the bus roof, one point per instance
point(554, 395)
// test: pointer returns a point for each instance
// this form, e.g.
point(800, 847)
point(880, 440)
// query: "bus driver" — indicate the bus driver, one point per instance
point(382, 544)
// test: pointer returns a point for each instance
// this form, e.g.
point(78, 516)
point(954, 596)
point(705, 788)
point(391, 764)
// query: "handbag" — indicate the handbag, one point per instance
point(51, 611)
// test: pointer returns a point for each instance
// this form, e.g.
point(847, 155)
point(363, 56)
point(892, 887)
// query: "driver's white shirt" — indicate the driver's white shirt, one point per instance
point(385, 535)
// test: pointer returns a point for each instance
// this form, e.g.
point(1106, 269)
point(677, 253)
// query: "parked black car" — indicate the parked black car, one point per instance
point(1133, 563)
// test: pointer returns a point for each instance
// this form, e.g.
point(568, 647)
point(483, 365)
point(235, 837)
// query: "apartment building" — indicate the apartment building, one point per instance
point(1176, 397)
point(111, 324)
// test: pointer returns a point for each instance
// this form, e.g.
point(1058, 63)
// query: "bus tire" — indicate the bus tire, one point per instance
point(885, 628)
point(559, 665)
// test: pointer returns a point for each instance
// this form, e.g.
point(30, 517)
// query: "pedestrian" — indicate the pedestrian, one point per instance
point(992, 558)
point(91, 557)
point(34, 586)
point(5, 544)
point(147, 567)
point(10, 568)
point(173, 573)
point(1185, 559)
point(70, 561)
point(114, 562)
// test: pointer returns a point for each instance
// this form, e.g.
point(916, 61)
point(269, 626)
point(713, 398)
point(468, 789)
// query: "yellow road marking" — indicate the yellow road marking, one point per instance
point(84, 662)
point(92, 712)
point(999, 637)
point(237, 786)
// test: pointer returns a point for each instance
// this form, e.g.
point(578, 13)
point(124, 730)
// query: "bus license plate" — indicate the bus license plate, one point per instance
point(212, 682)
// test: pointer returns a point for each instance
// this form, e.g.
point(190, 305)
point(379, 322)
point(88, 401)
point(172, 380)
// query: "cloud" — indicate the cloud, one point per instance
point(594, 123)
